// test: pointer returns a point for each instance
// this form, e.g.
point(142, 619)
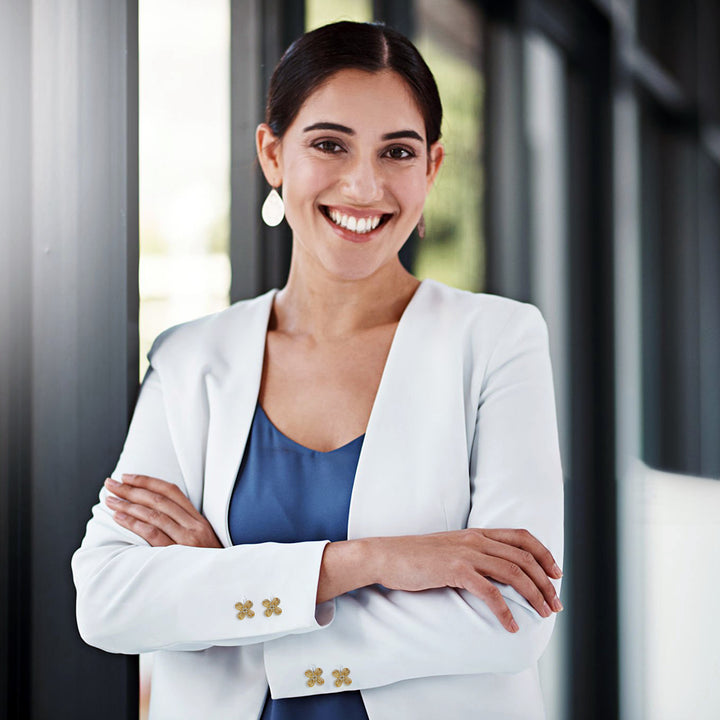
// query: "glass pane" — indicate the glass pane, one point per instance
point(322, 12)
point(184, 64)
point(449, 37)
point(184, 162)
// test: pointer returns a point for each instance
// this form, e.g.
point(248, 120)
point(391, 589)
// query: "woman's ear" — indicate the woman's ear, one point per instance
point(436, 155)
point(269, 154)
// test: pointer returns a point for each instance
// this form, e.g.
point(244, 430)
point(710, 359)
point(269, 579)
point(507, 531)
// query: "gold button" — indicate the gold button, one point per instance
point(244, 610)
point(272, 606)
point(314, 676)
point(342, 677)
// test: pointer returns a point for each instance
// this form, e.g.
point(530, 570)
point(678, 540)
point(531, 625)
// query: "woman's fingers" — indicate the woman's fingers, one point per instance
point(140, 495)
point(526, 541)
point(147, 516)
point(512, 574)
point(152, 534)
point(162, 505)
point(160, 487)
point(491, 596)
point(540, 586)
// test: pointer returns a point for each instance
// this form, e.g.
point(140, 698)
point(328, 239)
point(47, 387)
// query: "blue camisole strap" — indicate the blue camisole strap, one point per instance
point(286, 492)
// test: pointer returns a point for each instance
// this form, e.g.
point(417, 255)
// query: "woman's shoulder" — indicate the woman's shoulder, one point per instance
point(479, 314)
point(214, 335)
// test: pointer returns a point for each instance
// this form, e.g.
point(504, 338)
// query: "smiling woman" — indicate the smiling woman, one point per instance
point(371, 459)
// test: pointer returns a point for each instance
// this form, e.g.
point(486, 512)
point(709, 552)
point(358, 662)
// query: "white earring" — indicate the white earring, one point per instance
point(273, 209)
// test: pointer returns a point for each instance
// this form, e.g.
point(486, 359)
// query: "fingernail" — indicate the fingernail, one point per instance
point(112, 483)
point(546, 611)
point(110, 500)
point(556, 570)
point(121, 516)
point(514, 627)
point(557, 605)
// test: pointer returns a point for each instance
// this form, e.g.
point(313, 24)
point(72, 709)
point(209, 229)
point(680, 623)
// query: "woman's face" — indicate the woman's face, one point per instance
point(355, 170)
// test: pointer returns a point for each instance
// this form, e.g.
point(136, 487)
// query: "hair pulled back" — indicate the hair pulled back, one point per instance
point(314, 57)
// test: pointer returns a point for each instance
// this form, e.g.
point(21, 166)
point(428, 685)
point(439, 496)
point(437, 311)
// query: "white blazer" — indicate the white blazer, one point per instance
point(462, 434)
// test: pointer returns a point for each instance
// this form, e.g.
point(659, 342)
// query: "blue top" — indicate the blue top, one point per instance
point(286, 492)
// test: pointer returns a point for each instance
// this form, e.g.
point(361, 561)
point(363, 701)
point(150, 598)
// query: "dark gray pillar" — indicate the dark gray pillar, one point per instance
point(15, 353)
point(508, 246)
point(69, 333)
point(245, 114)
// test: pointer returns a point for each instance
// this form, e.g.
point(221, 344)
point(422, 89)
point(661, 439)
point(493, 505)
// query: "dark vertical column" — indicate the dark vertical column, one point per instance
point(591, 518)
point(680, 304)
point(245, 114)
point(69, 350)
point(506, 157)
point(15, 354)
point(708, 72)
point(671, 293)
point(709, 315)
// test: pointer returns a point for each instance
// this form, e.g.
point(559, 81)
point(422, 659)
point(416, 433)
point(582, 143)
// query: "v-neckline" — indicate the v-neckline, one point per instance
point(300, 446)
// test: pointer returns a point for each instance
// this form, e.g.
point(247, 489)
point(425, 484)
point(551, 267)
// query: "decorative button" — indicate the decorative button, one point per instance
point(272, 606)
point(314, 677)
point(244, 610)
point(342, 677)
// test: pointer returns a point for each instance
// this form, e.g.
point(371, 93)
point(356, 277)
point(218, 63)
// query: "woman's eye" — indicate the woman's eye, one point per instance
point(399, 153)
point(328, 146)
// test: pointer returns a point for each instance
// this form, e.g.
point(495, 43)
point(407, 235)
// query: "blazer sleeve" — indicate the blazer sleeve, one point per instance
point(385, 636)
point(135, 598)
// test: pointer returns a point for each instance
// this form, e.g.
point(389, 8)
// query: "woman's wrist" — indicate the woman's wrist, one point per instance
point(347, 565)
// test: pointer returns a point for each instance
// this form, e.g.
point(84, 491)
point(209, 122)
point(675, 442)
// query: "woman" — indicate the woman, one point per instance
point(352, 484)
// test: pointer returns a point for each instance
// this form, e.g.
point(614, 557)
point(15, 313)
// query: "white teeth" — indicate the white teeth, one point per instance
point(350, 222)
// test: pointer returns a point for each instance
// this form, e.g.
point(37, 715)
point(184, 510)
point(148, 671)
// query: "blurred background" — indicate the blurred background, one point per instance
point(582, 174)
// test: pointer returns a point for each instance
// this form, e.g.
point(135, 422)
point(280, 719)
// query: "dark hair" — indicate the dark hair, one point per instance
point(314, 57)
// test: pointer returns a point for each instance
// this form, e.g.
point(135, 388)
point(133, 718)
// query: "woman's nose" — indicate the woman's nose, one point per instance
point(363, 181)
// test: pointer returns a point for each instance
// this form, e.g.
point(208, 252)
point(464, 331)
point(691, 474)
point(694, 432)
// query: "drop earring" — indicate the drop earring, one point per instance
point(421, 226)
point(273, 209)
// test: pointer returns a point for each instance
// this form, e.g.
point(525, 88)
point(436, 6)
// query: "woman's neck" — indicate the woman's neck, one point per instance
point(330, 308)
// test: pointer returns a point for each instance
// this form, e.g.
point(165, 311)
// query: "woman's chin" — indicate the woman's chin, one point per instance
point(357, 270)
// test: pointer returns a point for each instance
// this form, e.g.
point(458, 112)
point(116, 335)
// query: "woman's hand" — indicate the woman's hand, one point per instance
point(464, 559)
point(158, 512)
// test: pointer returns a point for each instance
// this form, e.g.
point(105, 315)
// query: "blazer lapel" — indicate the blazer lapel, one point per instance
point(399, 483)
point(233, 384)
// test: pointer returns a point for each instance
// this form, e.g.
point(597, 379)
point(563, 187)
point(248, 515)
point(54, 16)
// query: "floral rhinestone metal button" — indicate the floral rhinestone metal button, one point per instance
point(272, 606)
point(342, 677)
point(244, 610)
point(314, 677)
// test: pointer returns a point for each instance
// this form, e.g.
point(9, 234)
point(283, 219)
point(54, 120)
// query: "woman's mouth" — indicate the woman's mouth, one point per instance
point(357, 225)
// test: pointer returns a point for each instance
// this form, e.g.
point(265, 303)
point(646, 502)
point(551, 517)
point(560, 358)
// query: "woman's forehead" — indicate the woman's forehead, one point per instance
point(362, 100)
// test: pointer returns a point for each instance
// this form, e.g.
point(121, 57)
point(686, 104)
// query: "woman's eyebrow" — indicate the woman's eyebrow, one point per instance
point(329, 126)
point(402, 134)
